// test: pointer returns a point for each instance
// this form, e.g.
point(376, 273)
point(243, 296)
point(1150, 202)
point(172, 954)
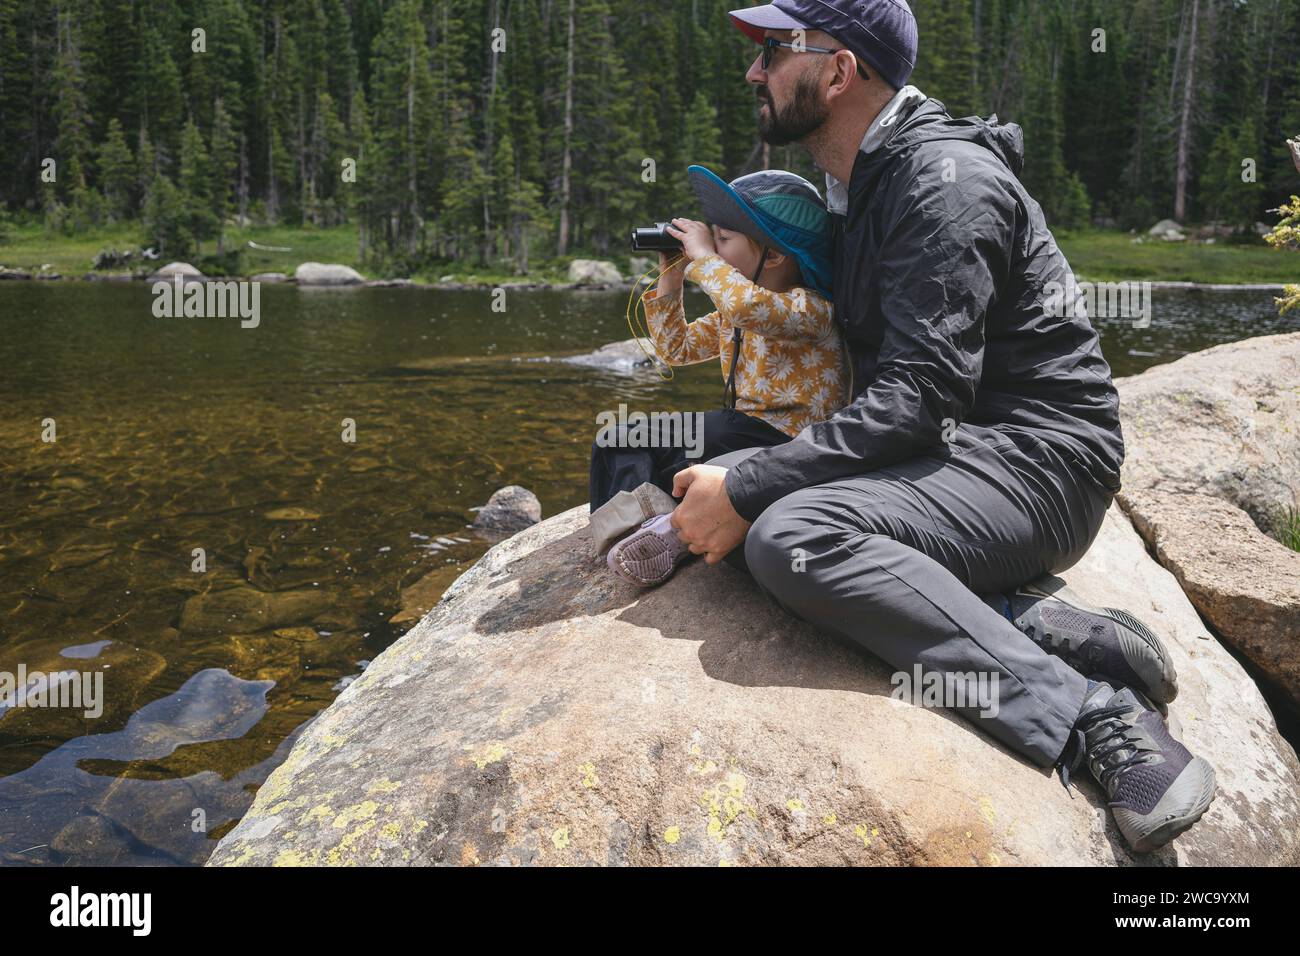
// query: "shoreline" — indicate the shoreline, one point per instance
point(20, 275)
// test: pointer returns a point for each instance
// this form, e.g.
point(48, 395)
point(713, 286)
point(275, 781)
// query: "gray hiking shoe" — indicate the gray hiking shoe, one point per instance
point(1156, 788)
point(1096, 641)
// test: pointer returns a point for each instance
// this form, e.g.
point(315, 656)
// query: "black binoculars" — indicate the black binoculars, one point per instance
point(655, 239)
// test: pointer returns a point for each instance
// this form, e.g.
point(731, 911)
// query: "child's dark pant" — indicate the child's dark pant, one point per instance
point(616, 467)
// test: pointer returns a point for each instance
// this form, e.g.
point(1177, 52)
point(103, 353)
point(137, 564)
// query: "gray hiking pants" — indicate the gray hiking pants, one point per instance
point(893, 561)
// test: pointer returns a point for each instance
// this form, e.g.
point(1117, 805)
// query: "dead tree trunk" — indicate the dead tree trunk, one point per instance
point(562, 247)
point(1185, 121)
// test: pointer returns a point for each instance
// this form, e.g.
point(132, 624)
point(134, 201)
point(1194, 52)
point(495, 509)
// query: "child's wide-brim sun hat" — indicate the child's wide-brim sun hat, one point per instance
point(776, 209)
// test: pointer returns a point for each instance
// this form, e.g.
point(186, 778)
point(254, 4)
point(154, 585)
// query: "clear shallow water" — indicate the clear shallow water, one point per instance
point(176, 434)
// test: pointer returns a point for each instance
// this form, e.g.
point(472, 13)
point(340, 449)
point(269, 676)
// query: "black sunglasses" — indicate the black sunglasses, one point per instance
point(770, 45)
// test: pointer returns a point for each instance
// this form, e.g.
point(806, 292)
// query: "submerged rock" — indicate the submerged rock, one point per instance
point(544, 714)
point(242, 608)
point(291, 514)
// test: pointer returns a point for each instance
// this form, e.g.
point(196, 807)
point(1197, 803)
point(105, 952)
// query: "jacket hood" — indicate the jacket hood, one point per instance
point(930, 121)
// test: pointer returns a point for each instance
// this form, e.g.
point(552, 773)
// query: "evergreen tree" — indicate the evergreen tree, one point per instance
point(117, 172)
point(195, 183)
point(222, 166)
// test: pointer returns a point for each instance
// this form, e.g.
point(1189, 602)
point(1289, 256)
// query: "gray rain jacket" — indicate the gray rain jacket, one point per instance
point(940, 268)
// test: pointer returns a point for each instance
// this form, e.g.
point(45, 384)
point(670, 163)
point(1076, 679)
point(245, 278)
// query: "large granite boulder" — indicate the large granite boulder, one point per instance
point(1223, 422)
point(318, 273)
point(1212, 468)
point(542, 713)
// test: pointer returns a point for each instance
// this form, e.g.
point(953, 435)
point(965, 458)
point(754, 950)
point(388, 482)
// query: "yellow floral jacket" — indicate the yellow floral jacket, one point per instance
point(792, 369)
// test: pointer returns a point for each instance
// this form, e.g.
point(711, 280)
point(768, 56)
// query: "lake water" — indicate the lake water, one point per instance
point(181, 434)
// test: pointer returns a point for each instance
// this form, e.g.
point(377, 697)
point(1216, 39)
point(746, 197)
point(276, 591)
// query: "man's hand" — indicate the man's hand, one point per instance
point(706, 521)
point(696, 237)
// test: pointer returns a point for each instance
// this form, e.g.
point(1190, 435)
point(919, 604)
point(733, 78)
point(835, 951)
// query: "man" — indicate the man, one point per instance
point(983, 446)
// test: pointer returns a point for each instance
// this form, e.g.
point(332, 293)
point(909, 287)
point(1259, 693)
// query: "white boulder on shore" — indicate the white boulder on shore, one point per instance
point(594, 272)
point(319, 273)
point(187, 272)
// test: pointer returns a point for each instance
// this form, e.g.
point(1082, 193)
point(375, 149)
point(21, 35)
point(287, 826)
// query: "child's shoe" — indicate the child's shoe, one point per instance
point(649, 555)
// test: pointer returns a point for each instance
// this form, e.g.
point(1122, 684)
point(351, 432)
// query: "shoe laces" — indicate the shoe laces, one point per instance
point(1120, 737)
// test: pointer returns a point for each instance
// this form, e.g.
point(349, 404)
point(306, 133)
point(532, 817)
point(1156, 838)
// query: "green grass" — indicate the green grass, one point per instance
point(1094, 254)
point(1288, 529)
point(1106, 256)
point(30, 246)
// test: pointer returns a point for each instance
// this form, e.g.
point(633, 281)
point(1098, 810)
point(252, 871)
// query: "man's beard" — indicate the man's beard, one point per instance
point(804, 115)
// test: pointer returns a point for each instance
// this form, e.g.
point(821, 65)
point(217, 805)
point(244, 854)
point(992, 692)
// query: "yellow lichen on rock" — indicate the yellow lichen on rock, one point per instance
point(488, 753)
point(362, 811)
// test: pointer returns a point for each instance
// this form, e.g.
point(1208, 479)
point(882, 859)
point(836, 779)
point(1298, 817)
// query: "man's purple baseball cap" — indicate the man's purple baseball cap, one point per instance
point(880, 32)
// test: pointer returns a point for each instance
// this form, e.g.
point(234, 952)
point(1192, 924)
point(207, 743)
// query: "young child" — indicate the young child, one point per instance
point(765, 263)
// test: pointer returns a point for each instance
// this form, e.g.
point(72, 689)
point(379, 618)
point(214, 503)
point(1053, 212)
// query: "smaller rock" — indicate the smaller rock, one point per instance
point(290, 514)
point(594, 272)
point(1243, 582)
point(628, 356)
point(1168, 230)
point(300, 635)
point(13, 274)
point(510, 509)
point(243, 609)
point(91, 840)
point(318, 273)
point(270, 277)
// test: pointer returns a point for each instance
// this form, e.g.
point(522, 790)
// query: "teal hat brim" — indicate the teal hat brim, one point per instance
point(722, 206)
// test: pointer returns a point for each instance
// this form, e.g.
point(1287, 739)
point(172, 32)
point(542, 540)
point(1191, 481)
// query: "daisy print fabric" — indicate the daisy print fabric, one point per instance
point(792, 369)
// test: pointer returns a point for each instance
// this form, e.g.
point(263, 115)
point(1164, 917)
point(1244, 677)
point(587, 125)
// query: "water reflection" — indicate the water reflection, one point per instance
point(184, 434)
